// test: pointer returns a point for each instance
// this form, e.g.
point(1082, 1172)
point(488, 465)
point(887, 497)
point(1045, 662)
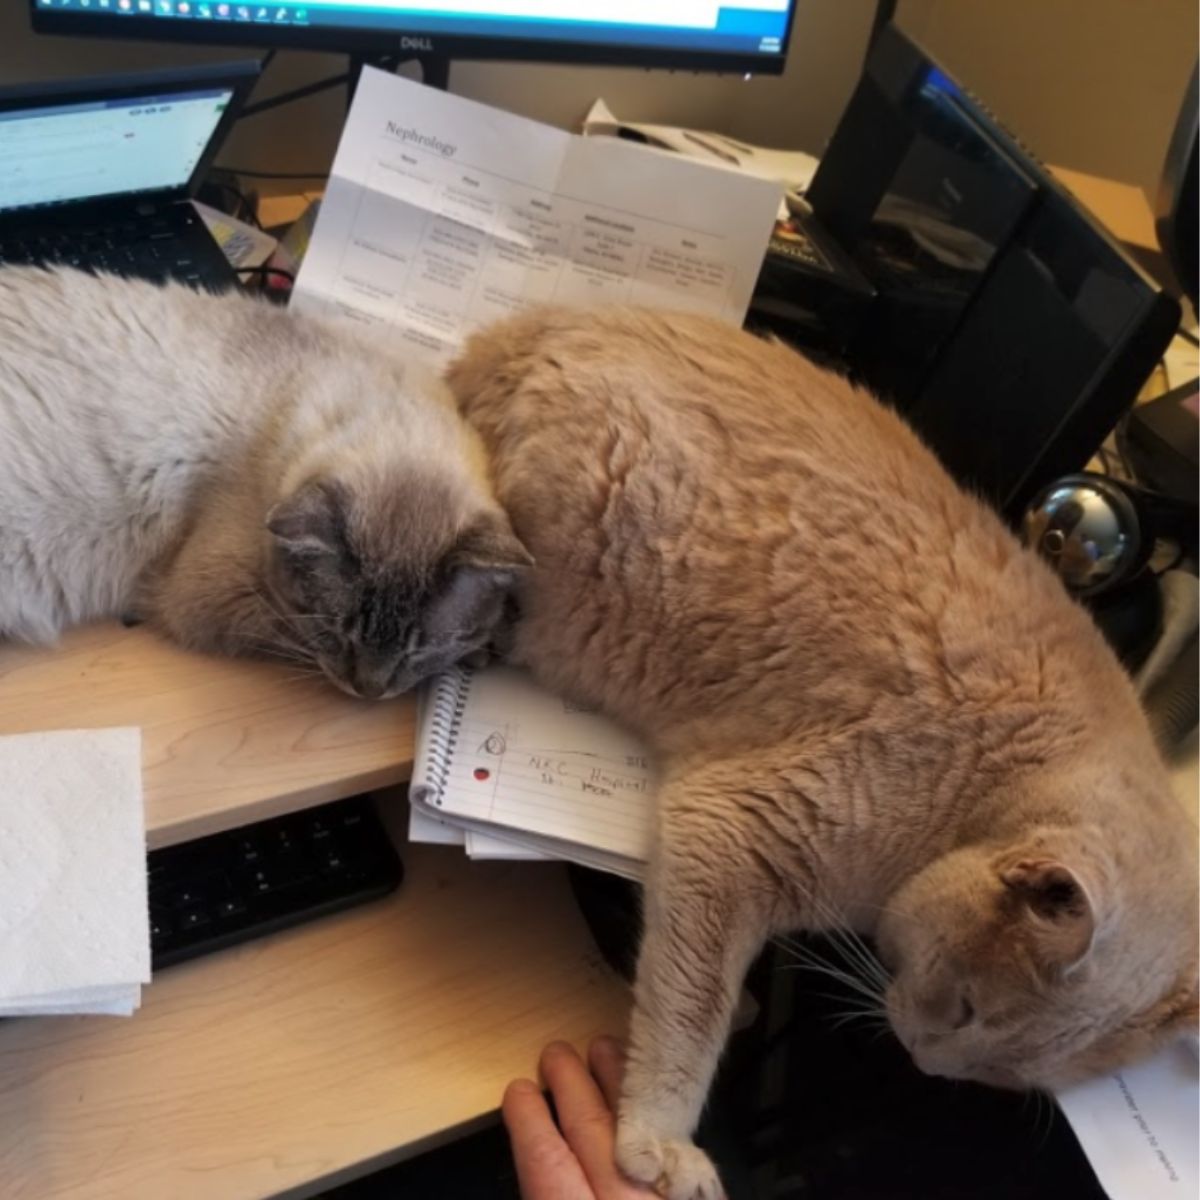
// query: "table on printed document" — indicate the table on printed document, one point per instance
point(313, 1056)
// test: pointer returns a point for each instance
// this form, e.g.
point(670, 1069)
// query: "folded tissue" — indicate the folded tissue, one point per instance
point(74, 927)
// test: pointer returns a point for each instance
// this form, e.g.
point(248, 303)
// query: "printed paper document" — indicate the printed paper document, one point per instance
point(443, 214)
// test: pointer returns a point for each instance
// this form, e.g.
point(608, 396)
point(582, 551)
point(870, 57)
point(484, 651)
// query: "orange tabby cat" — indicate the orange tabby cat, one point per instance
point(868, 700)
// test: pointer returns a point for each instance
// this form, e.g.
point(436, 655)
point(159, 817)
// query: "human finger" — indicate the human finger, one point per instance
point(586, 1120)
point(606, 1061)
point(547, 1169)
point(583, 1114)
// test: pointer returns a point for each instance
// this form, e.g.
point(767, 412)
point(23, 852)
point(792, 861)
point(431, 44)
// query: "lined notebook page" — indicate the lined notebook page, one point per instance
point(527, 760)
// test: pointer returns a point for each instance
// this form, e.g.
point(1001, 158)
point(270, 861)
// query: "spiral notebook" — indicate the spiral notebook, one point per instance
point(502, 760)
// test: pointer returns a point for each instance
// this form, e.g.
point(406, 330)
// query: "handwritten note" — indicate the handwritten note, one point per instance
point(1139, 1128)
point(529, 761)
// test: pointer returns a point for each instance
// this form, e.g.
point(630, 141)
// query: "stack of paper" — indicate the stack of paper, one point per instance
point(508, 770)
point(74, 929)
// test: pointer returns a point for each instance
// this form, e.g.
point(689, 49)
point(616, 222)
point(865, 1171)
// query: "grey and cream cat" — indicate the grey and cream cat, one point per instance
point(872, 706)
point(248, 481)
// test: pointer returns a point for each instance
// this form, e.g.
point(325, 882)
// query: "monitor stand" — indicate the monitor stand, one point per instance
point(435, 72)
point(435, 69)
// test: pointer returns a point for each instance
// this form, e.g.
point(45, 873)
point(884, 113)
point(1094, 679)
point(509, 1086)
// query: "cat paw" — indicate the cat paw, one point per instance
point(675, 1168)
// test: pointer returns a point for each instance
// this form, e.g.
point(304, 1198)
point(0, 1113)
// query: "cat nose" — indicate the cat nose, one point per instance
point(364, 675)
point(369, 688)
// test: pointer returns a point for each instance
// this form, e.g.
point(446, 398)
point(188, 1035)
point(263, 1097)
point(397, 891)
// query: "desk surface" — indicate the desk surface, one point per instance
point(312, 1056)
point(224, 742)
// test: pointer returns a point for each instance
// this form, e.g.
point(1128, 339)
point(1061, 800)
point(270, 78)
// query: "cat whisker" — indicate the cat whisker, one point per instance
point(808, 960)
point(861, 964)
point(282, 646)
point(285, 619)
point(273, 646)
point(866, 1016)
point(858, 954)
point(281, 652)
point(850, 944)
point(1044, 1104)
point(841, 1020)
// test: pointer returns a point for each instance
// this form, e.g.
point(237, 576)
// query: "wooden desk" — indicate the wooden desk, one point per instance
point(224, 742)
point(315, 1055)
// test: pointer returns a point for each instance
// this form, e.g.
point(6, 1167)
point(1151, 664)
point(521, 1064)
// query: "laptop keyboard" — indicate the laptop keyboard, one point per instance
point(154, 248)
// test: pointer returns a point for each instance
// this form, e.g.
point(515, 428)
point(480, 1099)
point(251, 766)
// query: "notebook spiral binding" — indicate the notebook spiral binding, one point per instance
point(447, 705)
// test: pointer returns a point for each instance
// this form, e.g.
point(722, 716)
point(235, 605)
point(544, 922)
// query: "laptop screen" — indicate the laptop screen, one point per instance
point(85, 149)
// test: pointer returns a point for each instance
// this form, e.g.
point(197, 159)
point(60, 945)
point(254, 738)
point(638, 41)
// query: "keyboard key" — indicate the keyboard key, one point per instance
point(192, 919)
point(332, 862)
point(260, 882)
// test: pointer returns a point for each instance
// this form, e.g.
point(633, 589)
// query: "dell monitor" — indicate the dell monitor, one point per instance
point(718, 35)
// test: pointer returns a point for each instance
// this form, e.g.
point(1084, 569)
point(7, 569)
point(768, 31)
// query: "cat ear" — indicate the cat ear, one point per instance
point(489, 544)
point(1183, 1018)
point(1058, 908)
point(484, 564)
point(309, 521)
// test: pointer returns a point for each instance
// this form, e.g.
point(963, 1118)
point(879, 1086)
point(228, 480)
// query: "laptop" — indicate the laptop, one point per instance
point(97, 173)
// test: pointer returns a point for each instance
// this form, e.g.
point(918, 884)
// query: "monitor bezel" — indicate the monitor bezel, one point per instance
point(239, 77)
point(448, 46)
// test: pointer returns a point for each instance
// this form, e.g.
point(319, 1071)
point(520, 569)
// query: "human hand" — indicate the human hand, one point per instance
point(573, 1160)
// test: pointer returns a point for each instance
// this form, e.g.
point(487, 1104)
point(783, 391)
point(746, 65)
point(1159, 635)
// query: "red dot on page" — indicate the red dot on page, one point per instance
point(482, 773)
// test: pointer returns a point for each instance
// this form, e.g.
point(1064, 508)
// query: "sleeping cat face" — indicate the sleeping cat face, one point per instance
point(386, 585)
point(1022, 968)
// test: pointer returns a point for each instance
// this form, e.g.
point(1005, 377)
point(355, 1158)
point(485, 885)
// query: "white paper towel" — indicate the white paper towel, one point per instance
point(74, 927)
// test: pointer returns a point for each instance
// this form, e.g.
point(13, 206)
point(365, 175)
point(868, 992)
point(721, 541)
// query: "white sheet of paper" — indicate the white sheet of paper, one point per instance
point(427, 829)
point(1139, 1128)
point(442, 214)
point(486, 846)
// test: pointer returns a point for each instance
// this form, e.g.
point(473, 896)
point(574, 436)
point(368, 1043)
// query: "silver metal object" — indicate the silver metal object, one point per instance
point(1087, 528)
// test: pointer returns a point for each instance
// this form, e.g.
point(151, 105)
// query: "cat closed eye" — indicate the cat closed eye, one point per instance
point(966, 1013)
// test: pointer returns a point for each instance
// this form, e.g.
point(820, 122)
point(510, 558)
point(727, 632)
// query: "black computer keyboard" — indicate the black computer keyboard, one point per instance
point(159, 247)
point(230, 887)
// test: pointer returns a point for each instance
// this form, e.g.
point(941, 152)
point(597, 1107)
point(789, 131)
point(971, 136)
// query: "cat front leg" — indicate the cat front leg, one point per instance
point(705, 921)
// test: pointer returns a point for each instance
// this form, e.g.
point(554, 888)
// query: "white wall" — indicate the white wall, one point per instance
point(1091, 84)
